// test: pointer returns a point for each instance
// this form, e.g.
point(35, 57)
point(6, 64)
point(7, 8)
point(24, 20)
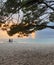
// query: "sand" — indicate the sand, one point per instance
point(26, 54)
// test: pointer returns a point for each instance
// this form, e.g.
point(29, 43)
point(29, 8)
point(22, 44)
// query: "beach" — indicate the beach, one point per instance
point(26, 54)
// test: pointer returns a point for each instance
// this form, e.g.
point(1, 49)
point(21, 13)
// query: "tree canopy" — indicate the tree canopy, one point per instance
point(36, 14)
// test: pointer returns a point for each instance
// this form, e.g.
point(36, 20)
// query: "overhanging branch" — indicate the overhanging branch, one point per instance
point(48, 6)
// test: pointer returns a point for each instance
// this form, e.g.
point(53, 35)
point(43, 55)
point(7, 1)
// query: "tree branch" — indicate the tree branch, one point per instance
point(48, 6)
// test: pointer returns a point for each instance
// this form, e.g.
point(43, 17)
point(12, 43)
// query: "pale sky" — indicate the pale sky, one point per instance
point(4, 35)
point(46, 35)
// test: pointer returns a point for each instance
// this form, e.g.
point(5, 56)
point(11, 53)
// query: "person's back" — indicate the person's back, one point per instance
point(10, 40)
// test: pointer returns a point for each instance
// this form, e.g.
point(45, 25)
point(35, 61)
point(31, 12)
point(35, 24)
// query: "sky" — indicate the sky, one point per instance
point(43, 36)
